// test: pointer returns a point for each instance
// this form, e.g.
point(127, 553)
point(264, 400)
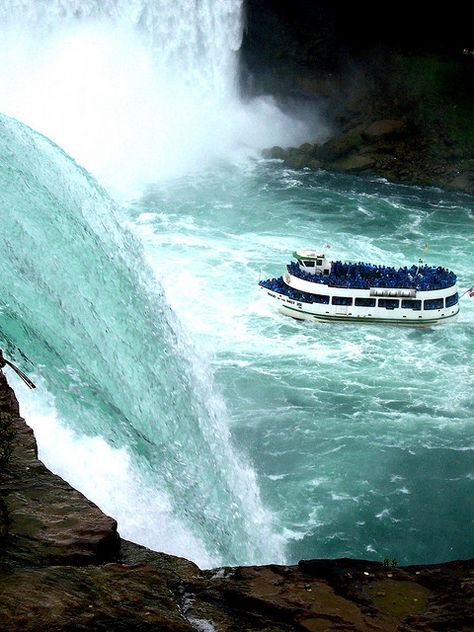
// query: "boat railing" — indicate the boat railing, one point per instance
point(366, 276)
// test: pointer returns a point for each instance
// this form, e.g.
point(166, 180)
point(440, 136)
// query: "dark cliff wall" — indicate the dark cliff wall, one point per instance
point(319, 37)
point(411, 62)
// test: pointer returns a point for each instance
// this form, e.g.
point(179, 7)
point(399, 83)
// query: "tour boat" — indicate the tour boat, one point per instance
point(315, 288)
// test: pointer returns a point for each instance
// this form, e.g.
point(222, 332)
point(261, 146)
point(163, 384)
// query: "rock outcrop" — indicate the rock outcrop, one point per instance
point(49, 522)
point(387, 147)
point(64, 567)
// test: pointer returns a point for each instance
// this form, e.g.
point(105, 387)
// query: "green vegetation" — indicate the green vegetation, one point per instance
point(440, 93)
point(393, 562)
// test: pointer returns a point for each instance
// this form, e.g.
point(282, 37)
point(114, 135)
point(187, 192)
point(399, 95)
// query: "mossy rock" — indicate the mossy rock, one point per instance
point(305, 148)
point(399, 598)
point(296, 161)
point(276, 152)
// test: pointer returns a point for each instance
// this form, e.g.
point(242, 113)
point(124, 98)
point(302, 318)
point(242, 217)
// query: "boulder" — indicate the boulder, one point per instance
point(463, 182)
point(276, 152)
point(296, 160)
point(340, 145)
point(353, 163)
point(314, 164)
point(306, 148)
point(384, 129)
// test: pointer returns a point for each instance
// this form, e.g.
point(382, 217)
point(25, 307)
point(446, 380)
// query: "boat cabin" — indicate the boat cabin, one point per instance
point(312, 262)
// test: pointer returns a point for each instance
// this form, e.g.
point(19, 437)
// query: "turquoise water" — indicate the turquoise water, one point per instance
point(82, 312)
point(211, 426)
point(362, 436)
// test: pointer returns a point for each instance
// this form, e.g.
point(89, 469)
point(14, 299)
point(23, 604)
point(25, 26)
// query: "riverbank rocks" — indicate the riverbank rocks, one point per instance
point(385, 147)
point(341, 145)
point(352, 150)
point(384, 129)
point(463, 182)
point(63, 566)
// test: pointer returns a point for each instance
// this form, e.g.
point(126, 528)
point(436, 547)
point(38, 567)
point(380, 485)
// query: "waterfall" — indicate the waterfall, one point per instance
point(135, 90)
point(78, 299)
point(198, 39)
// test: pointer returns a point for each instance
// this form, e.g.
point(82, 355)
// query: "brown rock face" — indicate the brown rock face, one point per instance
point(49, 521)
point(109, 597)
point(341, 145)
point(64, 568)
point(384, 128)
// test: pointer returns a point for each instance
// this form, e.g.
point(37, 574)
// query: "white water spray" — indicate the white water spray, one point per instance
point(144, 513)
point(135, 91)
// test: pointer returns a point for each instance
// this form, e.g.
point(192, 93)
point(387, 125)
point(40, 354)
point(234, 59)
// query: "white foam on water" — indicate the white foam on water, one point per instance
point(108, 477)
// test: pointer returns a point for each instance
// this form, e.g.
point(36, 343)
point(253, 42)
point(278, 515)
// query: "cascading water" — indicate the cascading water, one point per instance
point(76, 299)
point(135, 91)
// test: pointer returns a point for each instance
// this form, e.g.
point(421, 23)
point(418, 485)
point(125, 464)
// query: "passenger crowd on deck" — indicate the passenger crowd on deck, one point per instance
point(365, 275)
point(279, 286)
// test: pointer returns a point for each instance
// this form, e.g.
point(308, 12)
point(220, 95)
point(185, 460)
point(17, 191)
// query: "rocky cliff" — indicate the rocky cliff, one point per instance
point(360, 68)
point(63, 566)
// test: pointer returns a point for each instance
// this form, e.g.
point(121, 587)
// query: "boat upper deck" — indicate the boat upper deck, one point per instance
point(365, 275)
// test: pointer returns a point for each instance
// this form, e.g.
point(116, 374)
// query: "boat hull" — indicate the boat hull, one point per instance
point(325, 313)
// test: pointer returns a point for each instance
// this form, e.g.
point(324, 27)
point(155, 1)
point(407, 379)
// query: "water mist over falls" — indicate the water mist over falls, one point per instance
point(135, 91)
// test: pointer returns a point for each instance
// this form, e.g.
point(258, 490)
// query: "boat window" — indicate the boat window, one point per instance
point(326, 271)
point(319, 262)
point(308, 264)
point(365, 302)
point(434, 303)
point(411, 304)
point(389, 303)
point(342, 300)
point(452, 300)
point(320, 298)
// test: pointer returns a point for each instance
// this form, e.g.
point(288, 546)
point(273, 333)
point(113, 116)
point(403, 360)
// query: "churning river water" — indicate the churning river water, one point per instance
point(362, 436)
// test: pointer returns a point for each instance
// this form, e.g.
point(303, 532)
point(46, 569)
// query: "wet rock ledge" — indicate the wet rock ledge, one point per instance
point(390, 148)
point(63, 566)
